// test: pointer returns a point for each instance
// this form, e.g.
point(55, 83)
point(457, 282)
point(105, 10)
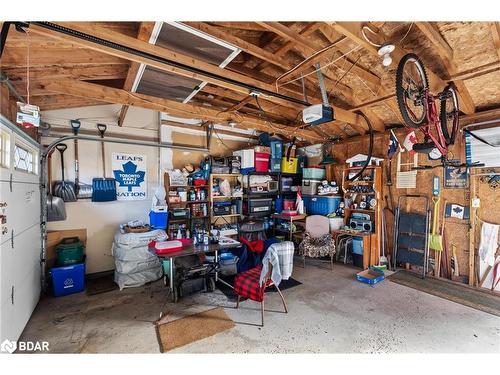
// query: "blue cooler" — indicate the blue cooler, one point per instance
point(158, 220)
point(321, 205)
point(68, 280)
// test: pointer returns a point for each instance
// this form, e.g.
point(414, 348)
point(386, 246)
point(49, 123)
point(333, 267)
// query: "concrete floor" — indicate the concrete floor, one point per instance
point(329, 313)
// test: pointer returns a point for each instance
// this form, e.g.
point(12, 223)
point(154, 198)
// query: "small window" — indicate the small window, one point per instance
point(4, 149)
point(25, 159)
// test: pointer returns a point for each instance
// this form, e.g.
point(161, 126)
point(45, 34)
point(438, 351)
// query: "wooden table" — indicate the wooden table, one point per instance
point(291, 219)
point(370, 257)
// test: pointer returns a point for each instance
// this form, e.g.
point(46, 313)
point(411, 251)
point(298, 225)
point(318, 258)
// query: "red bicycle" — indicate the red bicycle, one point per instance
point(418, 107)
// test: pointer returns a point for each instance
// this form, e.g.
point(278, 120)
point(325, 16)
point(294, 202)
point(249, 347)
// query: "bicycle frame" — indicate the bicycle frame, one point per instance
point(433, 121)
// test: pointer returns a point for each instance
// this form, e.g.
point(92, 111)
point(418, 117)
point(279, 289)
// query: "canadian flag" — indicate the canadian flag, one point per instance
point(409, 141)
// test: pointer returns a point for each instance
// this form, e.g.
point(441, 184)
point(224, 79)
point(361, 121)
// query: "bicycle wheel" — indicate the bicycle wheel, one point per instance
point(411, 85)
point(449, 114)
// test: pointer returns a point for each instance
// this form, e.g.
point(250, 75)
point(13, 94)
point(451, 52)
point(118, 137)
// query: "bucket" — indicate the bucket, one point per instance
point(336, 223)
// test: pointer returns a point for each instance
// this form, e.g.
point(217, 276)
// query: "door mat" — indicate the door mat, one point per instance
point(101, 283)
point(192, 328)
point(232, 296)
point(477, 299)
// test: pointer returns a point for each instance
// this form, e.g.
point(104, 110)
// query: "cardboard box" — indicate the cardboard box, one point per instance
point(262, 149)
point(54, 237)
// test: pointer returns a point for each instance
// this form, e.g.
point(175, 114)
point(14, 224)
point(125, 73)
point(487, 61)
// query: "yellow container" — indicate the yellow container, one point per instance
point(290, 165)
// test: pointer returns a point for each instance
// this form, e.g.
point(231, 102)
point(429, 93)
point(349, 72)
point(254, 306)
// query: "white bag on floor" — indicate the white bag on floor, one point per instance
point(137, 279)
point(136, 266)
point(129, 240)
point(132, 254)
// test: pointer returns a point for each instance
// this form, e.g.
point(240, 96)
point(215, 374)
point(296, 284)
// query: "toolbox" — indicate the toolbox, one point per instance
point(260, 206)
point(310, 187)
point(69, 251)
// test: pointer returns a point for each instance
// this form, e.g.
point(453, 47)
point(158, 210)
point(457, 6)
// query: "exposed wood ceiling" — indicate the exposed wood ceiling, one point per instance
point(66, 72)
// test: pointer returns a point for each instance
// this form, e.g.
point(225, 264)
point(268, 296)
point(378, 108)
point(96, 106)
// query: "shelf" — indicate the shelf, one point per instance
point(196, 202)
point(177, 220)
point(289, 218)
point(288, 231)
point(225, 175)
point(199, 217)
point(221, 197)
point(230, 215)
point(360, 210)
point(359, 182)
point(261, 193)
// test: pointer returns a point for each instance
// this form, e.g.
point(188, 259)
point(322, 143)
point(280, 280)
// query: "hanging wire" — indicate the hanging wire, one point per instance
point(319, 69)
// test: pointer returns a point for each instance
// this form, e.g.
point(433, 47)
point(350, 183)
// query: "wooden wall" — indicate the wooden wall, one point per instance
point(457, 231)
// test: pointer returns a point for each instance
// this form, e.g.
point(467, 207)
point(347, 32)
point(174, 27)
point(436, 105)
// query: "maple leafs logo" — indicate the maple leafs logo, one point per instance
point(130, 177)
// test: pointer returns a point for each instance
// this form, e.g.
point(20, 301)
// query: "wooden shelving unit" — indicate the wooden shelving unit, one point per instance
point(371, 242)
point(229, 218)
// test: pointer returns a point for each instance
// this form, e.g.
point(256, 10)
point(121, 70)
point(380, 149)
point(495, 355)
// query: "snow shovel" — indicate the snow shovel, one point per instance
point(435, 238)
point(83, 191)
point(64, 189)
point(56, 210)
point(103, 189)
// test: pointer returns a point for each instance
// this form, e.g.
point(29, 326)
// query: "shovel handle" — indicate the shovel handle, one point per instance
point(61, 147)
point(102, 129)
point(75, 125)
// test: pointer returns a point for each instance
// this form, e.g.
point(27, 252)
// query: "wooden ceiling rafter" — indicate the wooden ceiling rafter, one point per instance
point(144, 33)
point(119, 96)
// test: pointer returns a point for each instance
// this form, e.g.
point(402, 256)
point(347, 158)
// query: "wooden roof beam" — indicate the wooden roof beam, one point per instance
point(495, 33)
point(168, 54)
point(111, 95)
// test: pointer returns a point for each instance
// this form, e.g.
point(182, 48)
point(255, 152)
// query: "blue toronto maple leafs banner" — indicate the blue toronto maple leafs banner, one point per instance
point(129, 171)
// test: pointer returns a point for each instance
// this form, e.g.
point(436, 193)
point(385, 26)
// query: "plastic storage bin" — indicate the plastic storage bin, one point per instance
point(286, 184)
point(275, 165)
point(69, 251)
point(158, 220)
point(68, 279)
point(321, 205)
point(357, 245)
point(276, 149)
point(310, 187)
point(357, 260)
point(262, 162)
point(314, 173)
point(371, 276)
point(289, 165)
point(247, 158)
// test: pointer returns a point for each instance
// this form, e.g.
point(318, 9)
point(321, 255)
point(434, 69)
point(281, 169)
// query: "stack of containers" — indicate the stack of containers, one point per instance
point(135, 265)
point(69, 275)
point(311, 179)
point(276, 155)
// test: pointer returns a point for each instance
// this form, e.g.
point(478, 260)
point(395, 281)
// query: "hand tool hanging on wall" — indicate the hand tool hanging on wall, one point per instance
point(103, 188)
point(83, 191)
point(56, 210)
point(64, 189)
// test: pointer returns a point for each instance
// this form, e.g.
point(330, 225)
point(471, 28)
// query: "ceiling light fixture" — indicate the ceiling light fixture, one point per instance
point(385, 51)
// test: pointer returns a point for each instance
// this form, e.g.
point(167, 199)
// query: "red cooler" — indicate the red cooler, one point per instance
point(262, 162)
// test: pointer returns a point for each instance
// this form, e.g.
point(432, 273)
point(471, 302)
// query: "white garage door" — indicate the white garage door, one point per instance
point(19, 230)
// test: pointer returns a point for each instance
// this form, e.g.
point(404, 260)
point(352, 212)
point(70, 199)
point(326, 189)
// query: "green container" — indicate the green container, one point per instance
point(166, 267)
point(69, 251)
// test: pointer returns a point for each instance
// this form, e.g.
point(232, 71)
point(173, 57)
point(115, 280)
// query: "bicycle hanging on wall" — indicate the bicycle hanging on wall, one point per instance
point(419, 110)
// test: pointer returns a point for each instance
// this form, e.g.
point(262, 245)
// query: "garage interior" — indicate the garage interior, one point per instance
point(250, 187)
